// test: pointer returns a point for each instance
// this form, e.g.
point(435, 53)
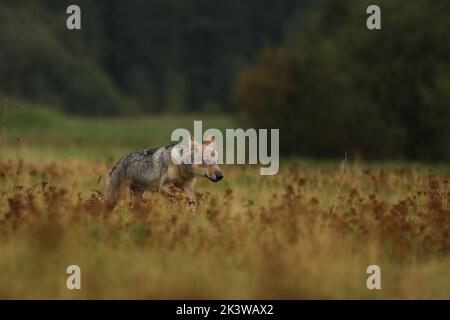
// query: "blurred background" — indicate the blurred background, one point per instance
point(311, 68)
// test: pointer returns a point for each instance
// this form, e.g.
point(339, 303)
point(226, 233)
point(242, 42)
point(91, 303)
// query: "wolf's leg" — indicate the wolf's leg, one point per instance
point(167, 188)
point(189, 189)
point(137, 193)
point(114, 187)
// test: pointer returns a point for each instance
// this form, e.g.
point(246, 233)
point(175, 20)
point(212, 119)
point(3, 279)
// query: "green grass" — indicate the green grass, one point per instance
point(33, 132)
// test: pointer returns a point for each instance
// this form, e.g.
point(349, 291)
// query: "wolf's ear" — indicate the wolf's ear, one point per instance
point(210, 140)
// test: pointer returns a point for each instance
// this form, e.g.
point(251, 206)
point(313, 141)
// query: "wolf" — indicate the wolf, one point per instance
point(155, 170)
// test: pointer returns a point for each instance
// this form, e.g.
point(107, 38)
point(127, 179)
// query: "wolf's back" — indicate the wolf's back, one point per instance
point(137, 165)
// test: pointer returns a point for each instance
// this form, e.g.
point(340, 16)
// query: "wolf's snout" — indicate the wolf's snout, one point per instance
point(219, 176)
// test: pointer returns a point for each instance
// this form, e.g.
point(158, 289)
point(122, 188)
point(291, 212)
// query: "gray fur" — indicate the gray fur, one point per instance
point(153, 170)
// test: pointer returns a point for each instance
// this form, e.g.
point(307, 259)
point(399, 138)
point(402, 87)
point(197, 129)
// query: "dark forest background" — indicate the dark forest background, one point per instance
point(135, 56)
point(311, 68)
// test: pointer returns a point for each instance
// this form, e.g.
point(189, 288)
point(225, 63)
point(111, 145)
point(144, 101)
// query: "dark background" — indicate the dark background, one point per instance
point(311, 68)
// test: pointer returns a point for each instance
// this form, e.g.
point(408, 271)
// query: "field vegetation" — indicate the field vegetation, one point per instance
point(308, 232)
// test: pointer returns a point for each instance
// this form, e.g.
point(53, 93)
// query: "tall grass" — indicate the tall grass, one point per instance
point(308, 232)
point(251, 237)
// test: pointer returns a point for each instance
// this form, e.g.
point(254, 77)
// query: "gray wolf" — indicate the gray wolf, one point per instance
point(155, 170)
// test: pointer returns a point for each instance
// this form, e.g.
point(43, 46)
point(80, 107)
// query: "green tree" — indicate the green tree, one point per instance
point(335, 86)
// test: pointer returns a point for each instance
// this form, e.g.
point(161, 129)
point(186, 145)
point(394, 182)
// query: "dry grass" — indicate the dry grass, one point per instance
point(308, 232)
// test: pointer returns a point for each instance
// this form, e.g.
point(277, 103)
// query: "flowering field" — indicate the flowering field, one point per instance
point(310, 231)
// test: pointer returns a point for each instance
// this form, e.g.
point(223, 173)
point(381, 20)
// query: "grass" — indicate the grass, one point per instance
point(34, 132)
point(308, 232)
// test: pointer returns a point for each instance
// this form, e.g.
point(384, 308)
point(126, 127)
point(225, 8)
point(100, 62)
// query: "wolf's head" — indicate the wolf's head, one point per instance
point(208, 167)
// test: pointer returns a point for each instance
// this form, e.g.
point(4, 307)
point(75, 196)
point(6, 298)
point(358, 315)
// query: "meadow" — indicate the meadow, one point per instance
point(309, 232)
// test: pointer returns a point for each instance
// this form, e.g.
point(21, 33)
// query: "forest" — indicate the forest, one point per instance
point(135, 56)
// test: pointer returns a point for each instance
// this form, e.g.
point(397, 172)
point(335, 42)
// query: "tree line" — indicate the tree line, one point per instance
point(134, 56)
point(335, 87)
